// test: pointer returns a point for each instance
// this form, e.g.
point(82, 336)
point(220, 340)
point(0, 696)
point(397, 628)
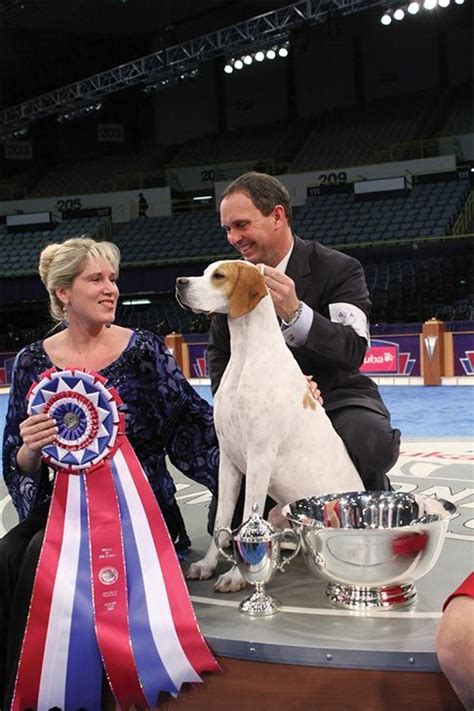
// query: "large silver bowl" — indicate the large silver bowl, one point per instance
point(371, 546)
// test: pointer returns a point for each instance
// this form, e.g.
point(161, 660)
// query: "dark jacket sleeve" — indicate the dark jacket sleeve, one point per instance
point(334, 341)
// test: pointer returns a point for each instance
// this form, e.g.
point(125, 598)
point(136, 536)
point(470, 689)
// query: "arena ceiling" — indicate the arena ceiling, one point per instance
point(45, 44)
point(125, 17)
point(48, 46)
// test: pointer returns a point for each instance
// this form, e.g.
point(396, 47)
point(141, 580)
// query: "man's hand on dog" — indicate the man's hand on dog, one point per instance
point(283, 293)
point(315, 391)
point(282, 290)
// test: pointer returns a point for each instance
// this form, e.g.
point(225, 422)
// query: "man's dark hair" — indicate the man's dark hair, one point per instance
point(264, 191)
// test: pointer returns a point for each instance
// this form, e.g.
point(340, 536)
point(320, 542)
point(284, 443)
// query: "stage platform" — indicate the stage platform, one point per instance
point(308, 629)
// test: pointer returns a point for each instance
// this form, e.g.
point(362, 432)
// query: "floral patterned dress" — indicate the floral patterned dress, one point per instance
point(164, 416)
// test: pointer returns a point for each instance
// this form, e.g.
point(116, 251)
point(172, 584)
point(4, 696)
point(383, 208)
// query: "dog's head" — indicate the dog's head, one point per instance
point(229, 287)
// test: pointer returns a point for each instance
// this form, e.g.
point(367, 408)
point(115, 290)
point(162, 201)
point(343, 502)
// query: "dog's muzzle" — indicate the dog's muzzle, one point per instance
point(182, 286)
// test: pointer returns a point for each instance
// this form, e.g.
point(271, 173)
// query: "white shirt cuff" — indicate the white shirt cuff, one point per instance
point(297, 334)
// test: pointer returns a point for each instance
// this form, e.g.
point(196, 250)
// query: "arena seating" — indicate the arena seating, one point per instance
point(429, 210)
point(336, 219)
point(353, 135)
point(163, 317)
point(174, 238)
point(351, 145)
point(342, 137)
point(101, 175)
point(274, 144)
point(459, 114)
point(410, 290)
point(20, 250)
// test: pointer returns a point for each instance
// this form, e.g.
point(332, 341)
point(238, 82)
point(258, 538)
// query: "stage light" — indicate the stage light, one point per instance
point(259, 57)
point(430, 4)
point(238, 64)
point(399, 14)
point(248, 59)
point(386, 19)
point(283, 51)
point(444, 3)
point(228, 68)
point(459, 2)
point(413, 8)
point(271, 54)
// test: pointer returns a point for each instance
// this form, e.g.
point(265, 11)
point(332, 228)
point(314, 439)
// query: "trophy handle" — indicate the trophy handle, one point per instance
point(289, 533)
point(223, 553)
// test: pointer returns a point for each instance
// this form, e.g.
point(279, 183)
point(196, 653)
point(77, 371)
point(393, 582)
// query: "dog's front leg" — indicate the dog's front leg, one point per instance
point(257, 481)
point(230, 479)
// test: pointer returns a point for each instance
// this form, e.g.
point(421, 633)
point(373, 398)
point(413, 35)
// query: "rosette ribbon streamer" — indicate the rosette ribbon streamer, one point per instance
point(108, 590)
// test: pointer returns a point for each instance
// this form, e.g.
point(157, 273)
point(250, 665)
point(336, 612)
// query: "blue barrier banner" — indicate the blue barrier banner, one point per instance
point(463, 347)
point(6, 365)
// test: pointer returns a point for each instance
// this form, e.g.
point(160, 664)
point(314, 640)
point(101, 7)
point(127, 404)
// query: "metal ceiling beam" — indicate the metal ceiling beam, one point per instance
point(180, 59)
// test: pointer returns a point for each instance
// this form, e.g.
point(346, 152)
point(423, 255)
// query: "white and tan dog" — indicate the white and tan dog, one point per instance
point(269, 426)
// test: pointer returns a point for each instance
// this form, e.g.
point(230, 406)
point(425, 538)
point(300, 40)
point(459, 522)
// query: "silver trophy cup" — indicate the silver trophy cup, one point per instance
point(371, 546)
point(257, 553)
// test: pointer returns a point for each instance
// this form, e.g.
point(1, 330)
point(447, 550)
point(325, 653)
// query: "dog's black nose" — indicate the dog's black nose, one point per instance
point(181, 281)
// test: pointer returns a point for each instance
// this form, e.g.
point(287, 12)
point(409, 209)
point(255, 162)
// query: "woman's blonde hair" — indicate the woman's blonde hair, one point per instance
point(60, 263)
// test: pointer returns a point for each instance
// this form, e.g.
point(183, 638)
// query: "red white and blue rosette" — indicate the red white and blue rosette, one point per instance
point(86, 414)
point(108, 591)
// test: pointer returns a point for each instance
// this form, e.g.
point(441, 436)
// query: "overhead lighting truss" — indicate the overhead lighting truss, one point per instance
point(151, 70)
point(74, 112)
point(400, 11)
point(245, 60)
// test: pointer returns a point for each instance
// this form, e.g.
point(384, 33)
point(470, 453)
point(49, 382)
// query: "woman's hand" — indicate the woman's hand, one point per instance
point(36, 431)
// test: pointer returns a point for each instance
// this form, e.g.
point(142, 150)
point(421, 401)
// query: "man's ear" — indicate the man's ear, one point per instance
point(249, 289)
point(279, 215)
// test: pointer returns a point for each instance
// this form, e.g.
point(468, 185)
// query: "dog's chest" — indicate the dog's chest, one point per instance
point(234, 420)
point(228, 410)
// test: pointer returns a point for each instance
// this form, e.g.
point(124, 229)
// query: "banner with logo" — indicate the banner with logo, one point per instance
point(398, 356)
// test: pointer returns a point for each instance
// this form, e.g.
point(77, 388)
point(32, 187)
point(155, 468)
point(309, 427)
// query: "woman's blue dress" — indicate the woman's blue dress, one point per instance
point(164, 416)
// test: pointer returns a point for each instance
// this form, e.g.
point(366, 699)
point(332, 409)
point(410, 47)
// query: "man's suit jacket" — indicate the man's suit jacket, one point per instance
point(333, 352)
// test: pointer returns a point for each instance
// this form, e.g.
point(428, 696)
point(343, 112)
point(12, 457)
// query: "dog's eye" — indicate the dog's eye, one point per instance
point(218, 275)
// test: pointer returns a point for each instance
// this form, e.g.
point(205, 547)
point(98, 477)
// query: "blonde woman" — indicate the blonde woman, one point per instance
point(164, 416)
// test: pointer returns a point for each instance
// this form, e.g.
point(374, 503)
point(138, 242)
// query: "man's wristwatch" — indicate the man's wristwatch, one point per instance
point(294, 316)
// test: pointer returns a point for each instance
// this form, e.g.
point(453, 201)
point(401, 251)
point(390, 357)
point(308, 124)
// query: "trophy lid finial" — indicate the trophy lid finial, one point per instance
point(255, 528)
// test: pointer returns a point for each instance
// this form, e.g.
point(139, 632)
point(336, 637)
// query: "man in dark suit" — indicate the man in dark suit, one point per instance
point(322, 300)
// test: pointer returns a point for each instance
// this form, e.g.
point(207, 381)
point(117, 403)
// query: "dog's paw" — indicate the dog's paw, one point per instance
point(200, 571)
point(232, 581)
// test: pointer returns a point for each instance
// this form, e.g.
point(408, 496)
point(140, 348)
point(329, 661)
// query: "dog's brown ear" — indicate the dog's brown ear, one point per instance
point(249, 289)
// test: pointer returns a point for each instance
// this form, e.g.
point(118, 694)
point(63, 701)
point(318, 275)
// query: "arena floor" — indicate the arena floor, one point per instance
point(437, 458)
